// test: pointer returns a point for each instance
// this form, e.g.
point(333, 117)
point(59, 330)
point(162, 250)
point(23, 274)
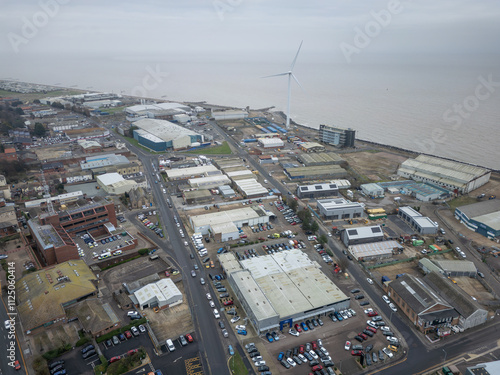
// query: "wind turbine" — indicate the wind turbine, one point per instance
point(290, 75)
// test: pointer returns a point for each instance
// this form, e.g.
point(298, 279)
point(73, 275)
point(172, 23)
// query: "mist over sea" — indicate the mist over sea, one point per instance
point(435, 108)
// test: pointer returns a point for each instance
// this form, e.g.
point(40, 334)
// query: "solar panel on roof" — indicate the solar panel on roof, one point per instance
point(303, 188)
point(352, 232)
point(332, 186)
point(318, 187)
point(375, 229)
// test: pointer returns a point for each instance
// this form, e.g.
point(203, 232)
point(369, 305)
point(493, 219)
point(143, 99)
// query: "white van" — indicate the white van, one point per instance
point(170, 345)
point(216, 314)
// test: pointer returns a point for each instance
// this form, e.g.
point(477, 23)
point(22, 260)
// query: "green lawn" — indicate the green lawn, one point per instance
point(461, 201)
point(237, 366)
point(222, 149)
point(112, 110)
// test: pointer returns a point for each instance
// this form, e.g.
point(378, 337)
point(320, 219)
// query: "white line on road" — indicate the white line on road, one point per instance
point(177, 359)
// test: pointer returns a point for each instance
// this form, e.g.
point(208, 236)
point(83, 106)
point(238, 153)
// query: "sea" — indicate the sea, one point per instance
point(440, 107)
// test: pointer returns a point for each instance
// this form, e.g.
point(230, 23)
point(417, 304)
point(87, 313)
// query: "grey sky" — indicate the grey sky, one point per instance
point(223, 28)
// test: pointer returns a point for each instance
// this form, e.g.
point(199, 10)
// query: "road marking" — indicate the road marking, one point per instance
point(177, 359)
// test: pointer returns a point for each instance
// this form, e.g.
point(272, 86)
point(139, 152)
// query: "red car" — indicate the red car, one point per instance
point(189, 338)
point(128, 334)
point(356, 352)
point(301, 349)
point(228, 303)
point(114, 359)
point(298, 328)
point(372, 313)
point(363, 336)
point(317, 368)
point(371, 329)
point(314, 345)
point(167, 274)
point(132, 351)
point(17, 366)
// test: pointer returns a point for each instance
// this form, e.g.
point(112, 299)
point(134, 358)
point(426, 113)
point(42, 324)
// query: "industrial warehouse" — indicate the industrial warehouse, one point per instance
point(223, 226)
point(278, 290)
point(451, 175)
point(317, 191)
point(160, 135)
point(340, 208)
point(416, 221)
point(481, 217)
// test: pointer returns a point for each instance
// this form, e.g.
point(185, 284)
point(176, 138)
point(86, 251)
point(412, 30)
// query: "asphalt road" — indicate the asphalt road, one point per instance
point(214, 351)
point(5, 341)
point(418, 358)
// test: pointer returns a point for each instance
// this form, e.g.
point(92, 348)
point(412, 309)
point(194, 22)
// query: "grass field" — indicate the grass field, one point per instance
point(236, 365)
point(461, 201)
point(222, 149)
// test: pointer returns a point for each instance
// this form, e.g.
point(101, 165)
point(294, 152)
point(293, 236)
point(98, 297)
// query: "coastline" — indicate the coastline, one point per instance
point(281, 113)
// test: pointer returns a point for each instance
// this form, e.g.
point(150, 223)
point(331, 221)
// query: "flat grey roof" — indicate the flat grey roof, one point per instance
point(165, 130)
point(480, 208)
point(374, 249)
point(292, 282)
point(364, 232)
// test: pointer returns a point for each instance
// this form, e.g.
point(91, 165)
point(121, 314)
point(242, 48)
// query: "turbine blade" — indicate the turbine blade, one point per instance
point(295, 59)
point(276, 75)
point(296, 80)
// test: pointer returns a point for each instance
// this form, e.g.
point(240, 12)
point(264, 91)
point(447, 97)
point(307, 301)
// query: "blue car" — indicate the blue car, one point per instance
point(241, 332)
point(280, 356)
point(230, 348)
point(304, 326)
point(158, 372)
point(269, 337)
point(62, 372)
point(339, 317)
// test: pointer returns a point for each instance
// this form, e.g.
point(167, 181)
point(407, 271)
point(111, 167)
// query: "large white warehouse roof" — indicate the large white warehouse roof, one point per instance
point(165, 130)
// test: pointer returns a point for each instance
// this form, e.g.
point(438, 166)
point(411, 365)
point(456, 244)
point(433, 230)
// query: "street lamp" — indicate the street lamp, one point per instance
point(444, 355)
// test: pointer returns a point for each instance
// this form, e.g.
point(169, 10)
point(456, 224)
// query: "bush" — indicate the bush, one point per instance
point(54, 353)
point(109, 335)
point(143, 252)
point(83, 341)
point(102, 368)
point(40, 366)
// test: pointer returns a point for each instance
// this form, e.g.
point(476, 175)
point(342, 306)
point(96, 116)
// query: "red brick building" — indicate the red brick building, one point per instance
point(53, 233)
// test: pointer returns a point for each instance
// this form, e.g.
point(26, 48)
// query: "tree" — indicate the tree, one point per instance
point(293, 205)
point(314, 226)
point(306, 225)
point(343, 263)
point(36, 101)
point(60, 188)
point(39, 130)
point(304, 215)
point(19, 111)
point(322, 239)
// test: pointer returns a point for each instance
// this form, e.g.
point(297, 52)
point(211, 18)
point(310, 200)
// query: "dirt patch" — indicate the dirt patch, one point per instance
point(53, 338)
point(473, 288)
point(375, 166)
point(171, 322)
point(132, 271)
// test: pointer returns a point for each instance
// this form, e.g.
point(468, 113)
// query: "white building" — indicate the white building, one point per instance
point(251, 188)
point(192, 172)
point(163, 293)
point(239, 217)
point(281, 289)
point(229, 114)
point(340, 208)
point(271, 142)
point(451, 175)
point(115, 184)
point(416, 221)
point(372, 190)
point(209, 182)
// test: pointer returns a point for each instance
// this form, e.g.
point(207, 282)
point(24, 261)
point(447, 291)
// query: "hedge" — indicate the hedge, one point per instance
point(109, 335)
point(82, 341)
point(54, 353)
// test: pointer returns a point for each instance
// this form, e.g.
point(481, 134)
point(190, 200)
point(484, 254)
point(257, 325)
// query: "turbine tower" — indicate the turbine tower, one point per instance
point(290, 75)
